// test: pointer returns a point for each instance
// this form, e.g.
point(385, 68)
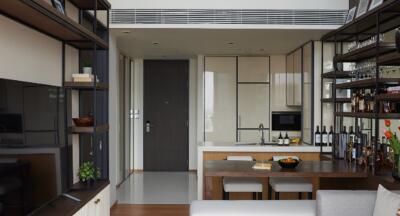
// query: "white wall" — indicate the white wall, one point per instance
point(138, 129)
point(113, 116)
point(231, 4)
point(28, 55)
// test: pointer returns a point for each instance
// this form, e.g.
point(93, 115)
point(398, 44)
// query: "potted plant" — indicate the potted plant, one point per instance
point(88, 174)
point(87, 67)
point(395, 146)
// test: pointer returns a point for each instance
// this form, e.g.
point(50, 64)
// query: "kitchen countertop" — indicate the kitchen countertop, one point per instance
point(244, 147)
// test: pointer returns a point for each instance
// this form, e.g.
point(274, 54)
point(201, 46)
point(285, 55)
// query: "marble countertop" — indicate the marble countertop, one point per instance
point(246, 147)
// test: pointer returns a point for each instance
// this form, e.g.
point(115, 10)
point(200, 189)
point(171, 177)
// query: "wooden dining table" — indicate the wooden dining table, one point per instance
point(307, 169)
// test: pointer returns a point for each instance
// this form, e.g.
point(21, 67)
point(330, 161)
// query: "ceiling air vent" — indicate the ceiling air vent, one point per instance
point(213, 16)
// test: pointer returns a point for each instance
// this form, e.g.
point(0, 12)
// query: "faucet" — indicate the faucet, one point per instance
point(261, 128)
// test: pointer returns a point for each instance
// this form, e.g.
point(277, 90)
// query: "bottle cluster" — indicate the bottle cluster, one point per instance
point(323, 138)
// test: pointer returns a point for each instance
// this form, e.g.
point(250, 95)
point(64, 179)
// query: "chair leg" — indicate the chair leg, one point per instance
point(277, 195)
point(260, 197)
point(269, 192)
point(225, 195)
point(254, 196)
point(309, 194)
point(299, 195)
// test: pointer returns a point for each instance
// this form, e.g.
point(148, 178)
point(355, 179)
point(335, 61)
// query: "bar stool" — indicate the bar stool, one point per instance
point(289, 184)
point(241, 184)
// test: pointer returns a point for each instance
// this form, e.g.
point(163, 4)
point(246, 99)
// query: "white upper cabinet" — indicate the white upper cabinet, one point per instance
point(289, 81)
point(220, 99)
point(253, 69)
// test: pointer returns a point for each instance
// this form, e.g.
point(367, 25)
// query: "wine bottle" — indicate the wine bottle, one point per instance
point(353, 102)
point(330, 137)
point(286, 140)
point(280, 139)
point(352, 134)
point(361, 103)
point(317, 137)
point(349, 151)
point(324, 137)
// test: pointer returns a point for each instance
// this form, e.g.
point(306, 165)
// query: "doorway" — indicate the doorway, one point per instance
point(166, 115)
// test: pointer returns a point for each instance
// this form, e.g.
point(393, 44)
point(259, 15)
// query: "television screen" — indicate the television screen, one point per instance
point(10, 123)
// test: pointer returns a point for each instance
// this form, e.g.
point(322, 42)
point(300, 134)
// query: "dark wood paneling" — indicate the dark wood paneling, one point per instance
point(150, 210)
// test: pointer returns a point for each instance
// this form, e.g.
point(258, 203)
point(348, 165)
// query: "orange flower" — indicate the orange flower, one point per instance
point(388, 134)
point(398, 128)
point(387, 123)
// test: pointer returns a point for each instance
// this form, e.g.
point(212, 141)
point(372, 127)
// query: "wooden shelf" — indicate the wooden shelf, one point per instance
point(89, 5)
point(369, 115)
point(390, 59)
point(89, 130)
point(355, 114)
point(336, 74)
point(368, 83)
point(387, 97)
point(40, 15)
point(85, 85)
point(367, 23)
point(366, 52)
point(338, 100)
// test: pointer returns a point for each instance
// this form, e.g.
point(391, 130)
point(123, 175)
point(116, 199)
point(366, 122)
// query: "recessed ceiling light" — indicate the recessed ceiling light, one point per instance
point(155, 43)
point(231, 43)
point(126, 31)
point(262, 50)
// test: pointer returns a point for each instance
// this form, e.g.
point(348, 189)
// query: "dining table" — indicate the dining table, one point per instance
point(306, 169)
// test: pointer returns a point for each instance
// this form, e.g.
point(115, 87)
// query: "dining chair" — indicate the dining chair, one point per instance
point(289, 184)
point(242, 184)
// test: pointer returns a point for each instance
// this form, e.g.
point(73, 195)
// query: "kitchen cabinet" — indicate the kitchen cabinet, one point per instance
point(220, 99)
point(293, 78)
point(253, 69)
point(98, 206)
point(307, 94)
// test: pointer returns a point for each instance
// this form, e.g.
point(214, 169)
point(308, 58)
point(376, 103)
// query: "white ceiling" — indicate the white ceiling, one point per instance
point(178, 43)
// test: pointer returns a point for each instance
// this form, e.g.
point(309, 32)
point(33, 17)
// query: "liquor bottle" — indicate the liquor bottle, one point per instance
point(324, 137)
point(317, 137)
point(330, 137)
point(367, 102)
point(280, 139)
point(361, 103)
point(353, 102)
point(352, 135)
point(286, 140)
point(349, 151)
point(356, 102)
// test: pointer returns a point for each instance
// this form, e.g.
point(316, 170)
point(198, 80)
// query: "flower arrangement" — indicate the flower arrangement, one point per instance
point(392, 137)
point(395, 146)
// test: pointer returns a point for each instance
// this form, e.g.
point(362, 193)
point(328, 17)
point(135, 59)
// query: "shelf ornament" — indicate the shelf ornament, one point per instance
point(395, 146)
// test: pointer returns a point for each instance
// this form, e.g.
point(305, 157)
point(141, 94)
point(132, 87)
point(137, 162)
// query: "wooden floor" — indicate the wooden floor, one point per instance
point(149, 210)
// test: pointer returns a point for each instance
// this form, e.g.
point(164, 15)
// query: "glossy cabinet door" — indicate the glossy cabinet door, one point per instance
point(252, 136)
point(307, 93)
point(253, 105)
point(220, 99)
point(297, 73)
point(253, 69)
point(289, 80)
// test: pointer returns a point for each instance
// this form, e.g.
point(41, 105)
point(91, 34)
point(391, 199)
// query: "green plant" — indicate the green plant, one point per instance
point(88, 172)
point(86, 63)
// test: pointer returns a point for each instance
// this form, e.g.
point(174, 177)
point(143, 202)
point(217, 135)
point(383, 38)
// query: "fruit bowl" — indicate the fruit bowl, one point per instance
point(86, 121)
point(288, 163)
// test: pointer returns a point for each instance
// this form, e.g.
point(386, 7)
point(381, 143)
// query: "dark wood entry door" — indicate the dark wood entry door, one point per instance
point(166, 115)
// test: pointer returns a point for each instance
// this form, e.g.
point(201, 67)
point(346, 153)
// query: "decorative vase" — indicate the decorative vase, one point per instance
point(87, 70)
point(398, 39)
point(396, 167)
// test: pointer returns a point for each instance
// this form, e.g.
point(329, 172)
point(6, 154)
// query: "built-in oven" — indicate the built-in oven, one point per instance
point(286, 121)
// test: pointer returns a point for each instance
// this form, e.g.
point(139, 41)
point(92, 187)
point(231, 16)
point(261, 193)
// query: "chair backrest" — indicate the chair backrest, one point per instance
point(276, 158)
point(240, 158)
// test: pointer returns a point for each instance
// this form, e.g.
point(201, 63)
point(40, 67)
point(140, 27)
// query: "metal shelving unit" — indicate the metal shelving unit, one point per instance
point(382, 19)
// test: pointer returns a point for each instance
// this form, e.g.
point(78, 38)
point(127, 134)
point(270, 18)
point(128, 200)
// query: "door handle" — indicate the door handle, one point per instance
point(148, 126)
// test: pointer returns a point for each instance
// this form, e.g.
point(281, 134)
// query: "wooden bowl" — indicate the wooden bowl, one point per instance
point(86, 121)
point(286, 165)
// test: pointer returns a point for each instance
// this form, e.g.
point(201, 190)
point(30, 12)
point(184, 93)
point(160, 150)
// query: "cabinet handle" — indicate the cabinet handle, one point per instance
point(97, 201)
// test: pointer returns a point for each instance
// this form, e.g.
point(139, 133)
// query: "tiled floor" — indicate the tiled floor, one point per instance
point(158, 188)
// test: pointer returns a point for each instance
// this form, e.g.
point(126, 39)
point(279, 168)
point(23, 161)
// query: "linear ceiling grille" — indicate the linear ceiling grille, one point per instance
point(211, 16)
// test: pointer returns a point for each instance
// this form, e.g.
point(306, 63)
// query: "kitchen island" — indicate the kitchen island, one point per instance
point(220, 150)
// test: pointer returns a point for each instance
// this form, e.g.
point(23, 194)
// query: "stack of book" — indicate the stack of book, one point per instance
point(82, 78)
